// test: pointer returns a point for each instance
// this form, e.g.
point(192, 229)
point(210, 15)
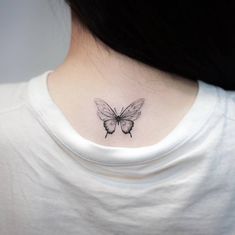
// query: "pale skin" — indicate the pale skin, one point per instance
point(91, 70)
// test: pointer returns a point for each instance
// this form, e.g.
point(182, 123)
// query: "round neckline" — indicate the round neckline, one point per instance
point(55, 122)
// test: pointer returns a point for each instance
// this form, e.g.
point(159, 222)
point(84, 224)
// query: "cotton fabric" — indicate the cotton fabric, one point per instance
point(54, 181)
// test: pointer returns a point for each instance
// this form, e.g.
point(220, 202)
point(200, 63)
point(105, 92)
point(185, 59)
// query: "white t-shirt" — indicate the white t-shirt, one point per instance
point(55, 182)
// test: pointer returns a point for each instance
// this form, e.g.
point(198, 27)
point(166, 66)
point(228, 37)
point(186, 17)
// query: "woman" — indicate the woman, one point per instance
point(133, 134)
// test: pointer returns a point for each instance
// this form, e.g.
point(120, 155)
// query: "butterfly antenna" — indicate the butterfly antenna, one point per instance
point(115, 111)
point(106, 135)
point(130, 134)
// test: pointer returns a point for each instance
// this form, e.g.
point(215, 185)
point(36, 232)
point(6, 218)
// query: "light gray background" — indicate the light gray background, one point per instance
point(34, 37)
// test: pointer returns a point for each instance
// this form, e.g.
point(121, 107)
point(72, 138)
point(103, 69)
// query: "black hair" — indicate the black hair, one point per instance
point(193, 39)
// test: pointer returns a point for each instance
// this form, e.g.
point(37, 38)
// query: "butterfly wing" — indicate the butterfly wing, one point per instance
point(126, 126)
point(106, 114)
point(129, 115)
point(110, 126)
point(132, 111)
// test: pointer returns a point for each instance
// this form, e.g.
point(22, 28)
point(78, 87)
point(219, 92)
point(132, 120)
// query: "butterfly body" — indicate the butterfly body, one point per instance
point(125, 118)
point(118, 119)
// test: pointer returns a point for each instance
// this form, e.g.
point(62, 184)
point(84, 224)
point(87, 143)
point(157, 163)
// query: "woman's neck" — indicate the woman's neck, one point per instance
point(92, 70)
point(89, 61)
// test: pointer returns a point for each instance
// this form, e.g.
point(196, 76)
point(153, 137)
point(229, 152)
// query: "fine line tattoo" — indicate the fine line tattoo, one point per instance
point(126, 117)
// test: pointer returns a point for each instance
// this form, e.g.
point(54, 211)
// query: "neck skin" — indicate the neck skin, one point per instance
point(92, 70)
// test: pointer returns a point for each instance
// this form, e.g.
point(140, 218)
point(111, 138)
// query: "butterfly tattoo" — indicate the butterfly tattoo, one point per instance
point(126, 117)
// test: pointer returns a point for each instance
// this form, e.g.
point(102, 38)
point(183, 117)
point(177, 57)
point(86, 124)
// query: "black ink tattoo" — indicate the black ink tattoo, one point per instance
point(126, 117)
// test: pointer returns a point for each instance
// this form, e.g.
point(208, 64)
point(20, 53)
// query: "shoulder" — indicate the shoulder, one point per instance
point(225, 103)
point(12, 106)
point(11, 95)
point(230, 104)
